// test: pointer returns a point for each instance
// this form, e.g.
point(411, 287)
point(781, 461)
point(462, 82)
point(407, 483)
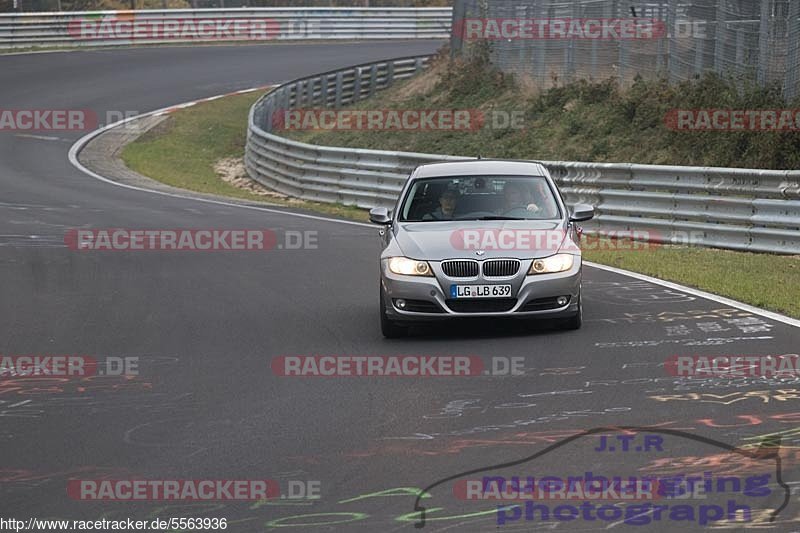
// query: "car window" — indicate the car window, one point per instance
point(479, 198)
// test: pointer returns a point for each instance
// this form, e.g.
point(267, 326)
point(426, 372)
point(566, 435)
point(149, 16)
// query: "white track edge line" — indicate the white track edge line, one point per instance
point(700, 294)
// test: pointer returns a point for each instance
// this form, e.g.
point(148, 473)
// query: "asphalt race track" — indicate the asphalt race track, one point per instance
point(206, 326)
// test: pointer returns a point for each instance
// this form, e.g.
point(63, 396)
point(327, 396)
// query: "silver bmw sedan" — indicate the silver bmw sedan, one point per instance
point(480, 238)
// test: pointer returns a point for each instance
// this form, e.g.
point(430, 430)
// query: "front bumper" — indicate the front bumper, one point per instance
point(428, 298)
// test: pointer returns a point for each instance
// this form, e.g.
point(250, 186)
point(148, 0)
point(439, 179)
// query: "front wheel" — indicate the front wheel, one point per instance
point(389, 328)
point(575, 321)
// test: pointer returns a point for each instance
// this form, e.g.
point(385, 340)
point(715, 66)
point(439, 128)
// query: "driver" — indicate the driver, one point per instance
point(448, 202)
point(517, 196)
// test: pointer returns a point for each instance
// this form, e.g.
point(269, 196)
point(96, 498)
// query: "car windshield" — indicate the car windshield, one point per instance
point(480, 198)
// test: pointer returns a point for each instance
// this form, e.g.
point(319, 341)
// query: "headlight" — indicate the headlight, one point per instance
point(409, 267)
point(554, 263)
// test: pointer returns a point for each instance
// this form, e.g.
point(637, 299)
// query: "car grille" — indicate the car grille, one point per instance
point(460, 269)
point(492, 305)
point(500, 268)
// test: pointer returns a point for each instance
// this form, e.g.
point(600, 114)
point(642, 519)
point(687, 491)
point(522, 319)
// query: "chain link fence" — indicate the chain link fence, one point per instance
point(553, 41)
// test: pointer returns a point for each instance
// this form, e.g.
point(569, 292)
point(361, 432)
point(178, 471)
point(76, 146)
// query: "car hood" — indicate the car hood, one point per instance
point(521, 239)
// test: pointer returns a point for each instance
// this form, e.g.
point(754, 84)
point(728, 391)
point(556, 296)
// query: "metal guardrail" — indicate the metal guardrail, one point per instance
point(739, 209)
point(126, 28)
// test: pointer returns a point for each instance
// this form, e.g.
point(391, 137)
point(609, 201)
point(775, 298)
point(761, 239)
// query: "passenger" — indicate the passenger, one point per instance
point(448, 202)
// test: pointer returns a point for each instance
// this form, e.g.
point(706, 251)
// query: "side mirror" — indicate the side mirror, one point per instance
point(581, 213)
point(380, 215)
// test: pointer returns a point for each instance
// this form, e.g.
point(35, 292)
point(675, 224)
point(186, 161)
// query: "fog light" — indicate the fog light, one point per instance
point(562, 301)
point(401, 304)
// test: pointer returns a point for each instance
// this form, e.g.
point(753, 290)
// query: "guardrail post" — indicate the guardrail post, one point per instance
point(309, 90)
point(285, 97)
point(356, 84)
point(419, 64)
point(298, 94)
point(390, 73)
point(323, 90)
point(373, 76)
point(301, 93)
point(338, 100)
point(269, 112)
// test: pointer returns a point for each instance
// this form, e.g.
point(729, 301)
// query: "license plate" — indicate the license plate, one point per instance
point(480, 291)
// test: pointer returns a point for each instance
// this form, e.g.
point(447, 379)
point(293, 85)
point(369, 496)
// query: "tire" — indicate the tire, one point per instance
point(575, 321)
point(389, 328)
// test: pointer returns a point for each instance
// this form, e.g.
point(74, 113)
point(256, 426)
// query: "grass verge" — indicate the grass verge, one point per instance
point(183, 154)
point(183, 151)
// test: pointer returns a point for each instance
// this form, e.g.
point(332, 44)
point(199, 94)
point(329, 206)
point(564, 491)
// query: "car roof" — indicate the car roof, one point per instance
point(481, 167)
